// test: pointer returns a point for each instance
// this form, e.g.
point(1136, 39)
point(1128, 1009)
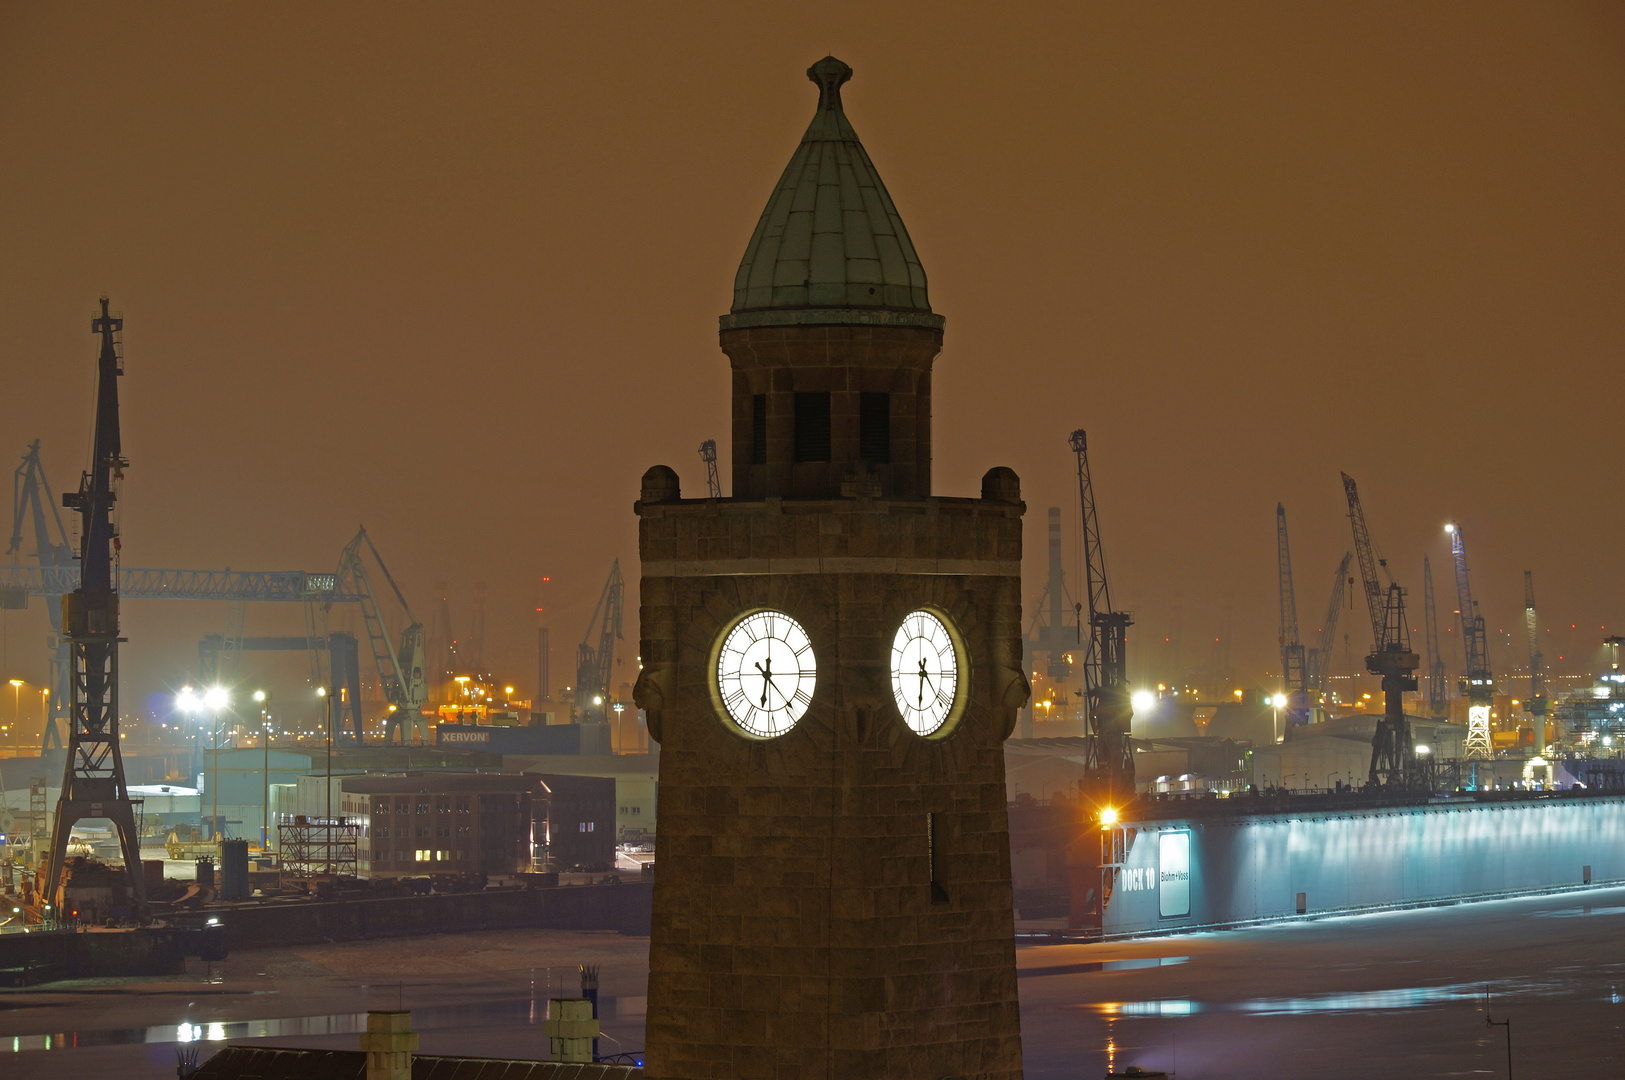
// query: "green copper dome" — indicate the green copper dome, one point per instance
point(830, 248)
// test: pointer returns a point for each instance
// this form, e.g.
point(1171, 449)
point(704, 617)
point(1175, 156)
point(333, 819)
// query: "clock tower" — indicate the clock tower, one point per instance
point(832, 662)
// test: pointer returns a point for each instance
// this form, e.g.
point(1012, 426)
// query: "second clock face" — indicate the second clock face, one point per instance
point(765, 673)
point(924, 672)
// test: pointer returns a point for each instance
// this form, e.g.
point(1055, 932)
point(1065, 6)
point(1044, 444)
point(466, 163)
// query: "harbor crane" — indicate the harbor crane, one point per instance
point(93, 784)
point(400, 670)
point(1478, 687)
point(53, 550)
point(713, 482)
point(595, 665)
point(1109, 755)
point(1393, 754)
point(1438, 706)
point(1537, 701)
point(1320, 657)
point(1294, 661)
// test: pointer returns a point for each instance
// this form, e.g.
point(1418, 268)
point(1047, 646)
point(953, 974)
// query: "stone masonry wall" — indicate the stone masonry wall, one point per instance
point(794, 931)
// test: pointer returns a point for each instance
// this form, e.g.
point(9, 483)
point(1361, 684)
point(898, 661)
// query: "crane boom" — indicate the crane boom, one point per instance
point(1321, 657)
point(1294, 666)
point(1436, 693)
point(1110, 755)
point(1478, 686)
point(1375, 602)
point(56, 561)
point(595, 666)
point(1393, 755)
point(400, 672)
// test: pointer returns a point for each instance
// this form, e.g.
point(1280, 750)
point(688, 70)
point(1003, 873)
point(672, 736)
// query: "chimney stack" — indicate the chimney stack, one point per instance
point(388, 1043)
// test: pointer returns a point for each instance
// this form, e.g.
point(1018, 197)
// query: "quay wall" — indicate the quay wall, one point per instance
point(624, 908)
point(1210, 870)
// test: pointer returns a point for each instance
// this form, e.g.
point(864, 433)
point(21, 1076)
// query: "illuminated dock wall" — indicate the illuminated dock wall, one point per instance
point(1211, 870)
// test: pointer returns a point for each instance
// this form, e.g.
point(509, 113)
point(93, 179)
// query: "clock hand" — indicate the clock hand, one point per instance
point(767, 678)
point(924, 678)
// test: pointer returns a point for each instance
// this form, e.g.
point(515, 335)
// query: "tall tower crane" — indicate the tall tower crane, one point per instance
point(1537, 681)
point(1320, 657)
point(1479, 686)
point(400, 671)
point(1393, 755)
point(1438, 707)
point(713, 482)
point(93, 784)
point(51, 549)
point(1109, 756)
point(595, 666)
point(1294, 663)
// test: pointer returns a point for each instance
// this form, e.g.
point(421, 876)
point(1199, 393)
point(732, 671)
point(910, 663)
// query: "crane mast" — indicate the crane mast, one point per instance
point(713, 482)
point(1294, 662)
point(1320, 657)
point(1393, 755)
point(1109, 756)
point(93, 784)
point(1537, 681)
point(1479, 686)
point(1438, 708)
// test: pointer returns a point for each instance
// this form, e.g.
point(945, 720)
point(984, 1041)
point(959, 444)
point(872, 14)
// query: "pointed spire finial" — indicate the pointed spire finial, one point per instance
point(829, 73)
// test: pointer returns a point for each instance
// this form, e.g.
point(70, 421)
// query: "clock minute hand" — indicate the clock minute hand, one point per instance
point(924, 678)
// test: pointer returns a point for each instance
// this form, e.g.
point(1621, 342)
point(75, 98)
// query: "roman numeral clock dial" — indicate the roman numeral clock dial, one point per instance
point(765, 673)
point(924, 672)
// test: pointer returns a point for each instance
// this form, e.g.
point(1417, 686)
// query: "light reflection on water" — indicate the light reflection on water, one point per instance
point(1370, 1001)
point(520, 1011)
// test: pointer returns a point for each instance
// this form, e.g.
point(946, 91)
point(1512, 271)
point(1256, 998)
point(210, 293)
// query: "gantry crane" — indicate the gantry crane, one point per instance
point(1294, 662)
point(1109, 756)
point(400, 671)
point(1393, 756)
point(1478, 687)
point(595, 665)
point(1438, 707)
point(713, 482)
point(93, 784)
point(1537, 680)
point(52, 552)
point(1320, 657)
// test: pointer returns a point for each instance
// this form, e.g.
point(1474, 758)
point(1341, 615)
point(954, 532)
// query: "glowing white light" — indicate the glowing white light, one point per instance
point(216, 697)
point(1449, 528)
point(1423, 750)
point(1143, 700)
point(1279, 701)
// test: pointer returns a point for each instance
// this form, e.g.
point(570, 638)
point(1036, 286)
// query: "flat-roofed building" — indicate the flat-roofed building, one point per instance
point(445, 823)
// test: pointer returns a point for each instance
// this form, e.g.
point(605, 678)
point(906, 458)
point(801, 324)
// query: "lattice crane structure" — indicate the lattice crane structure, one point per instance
point(1320, 657)
point(1478, 687)
point(1438, 706)
point(1300, 705)
point(1537, 700)
point(713, 481)
point(93, 784)
point(595, 666)
point(1109, 756)
point(1393, 754)
point(400, 671)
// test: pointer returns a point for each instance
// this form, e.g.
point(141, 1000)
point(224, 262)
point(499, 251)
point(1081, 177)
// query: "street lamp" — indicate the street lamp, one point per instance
point(216, 698)
point(16, 707)
point(263, 699)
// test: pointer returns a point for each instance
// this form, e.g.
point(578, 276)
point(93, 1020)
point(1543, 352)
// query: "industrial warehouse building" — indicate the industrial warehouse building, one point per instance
point(445, 823)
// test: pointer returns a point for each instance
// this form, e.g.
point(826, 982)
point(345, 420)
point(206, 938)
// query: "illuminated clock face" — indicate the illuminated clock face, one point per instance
point(765, 673)
point(924, 672)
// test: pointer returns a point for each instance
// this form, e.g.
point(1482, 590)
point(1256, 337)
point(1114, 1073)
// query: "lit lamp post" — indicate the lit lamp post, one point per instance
point(16, 707)
point(216, 698)
point(263, 698)
point(44, 714)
